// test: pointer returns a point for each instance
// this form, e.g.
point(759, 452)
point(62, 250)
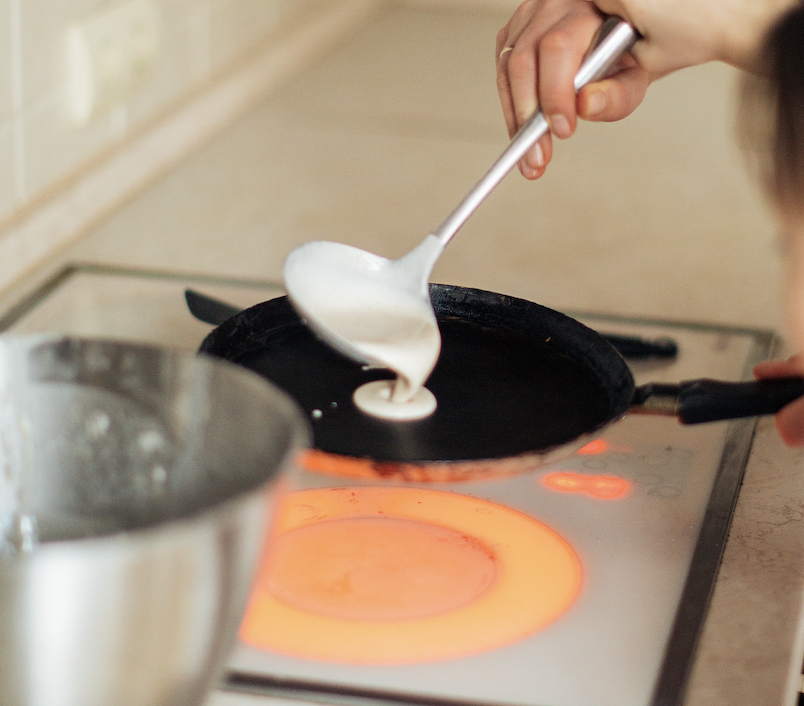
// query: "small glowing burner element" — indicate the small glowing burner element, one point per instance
point(598, 446)
point(600, 487)
point(369, 575)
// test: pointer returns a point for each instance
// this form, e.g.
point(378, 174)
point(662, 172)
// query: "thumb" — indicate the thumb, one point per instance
point(613, 98)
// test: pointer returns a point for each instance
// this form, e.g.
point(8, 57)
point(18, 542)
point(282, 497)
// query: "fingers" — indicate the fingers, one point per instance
point(533, 164)
point(770, 369)
point(539, 53)
point(503, 86)
point(616, 97)
point(507, 39)
point(520, 90)
point(560, 55)
point(790, 420)
point(790, 423)
point(535, 161)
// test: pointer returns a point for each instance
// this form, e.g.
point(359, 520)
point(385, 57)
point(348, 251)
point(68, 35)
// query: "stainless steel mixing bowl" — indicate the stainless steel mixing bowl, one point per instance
point(135, 484)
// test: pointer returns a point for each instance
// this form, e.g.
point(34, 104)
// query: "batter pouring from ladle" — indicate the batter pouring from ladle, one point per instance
point(373, 310)
point(378, 310)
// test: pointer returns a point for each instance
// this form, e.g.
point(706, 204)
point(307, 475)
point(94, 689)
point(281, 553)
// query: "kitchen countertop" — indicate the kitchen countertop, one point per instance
point(652, 216)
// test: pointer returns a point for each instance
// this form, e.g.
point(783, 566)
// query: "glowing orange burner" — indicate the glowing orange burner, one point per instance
point(601, 487)
point(336, 465)
point(598, 446)
point(374, 568)
point(369, 575)
point(601, 446)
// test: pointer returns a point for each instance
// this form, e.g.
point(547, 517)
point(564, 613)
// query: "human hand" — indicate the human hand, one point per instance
point(548, 40)
point(790, 419)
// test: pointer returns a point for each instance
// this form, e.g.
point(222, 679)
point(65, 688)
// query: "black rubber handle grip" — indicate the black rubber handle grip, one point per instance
point(712, 400)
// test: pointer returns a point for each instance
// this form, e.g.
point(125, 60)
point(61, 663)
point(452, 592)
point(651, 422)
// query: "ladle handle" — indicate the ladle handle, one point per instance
point(614, 38)
point(696, 401)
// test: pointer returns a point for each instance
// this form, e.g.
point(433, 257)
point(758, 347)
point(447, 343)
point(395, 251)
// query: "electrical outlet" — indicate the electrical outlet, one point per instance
point(108, 54)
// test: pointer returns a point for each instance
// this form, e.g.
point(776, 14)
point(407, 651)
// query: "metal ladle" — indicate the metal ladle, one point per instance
point(319, 272)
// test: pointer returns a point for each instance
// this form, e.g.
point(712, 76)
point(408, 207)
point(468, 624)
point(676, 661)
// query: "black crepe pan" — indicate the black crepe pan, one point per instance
point(517, 385)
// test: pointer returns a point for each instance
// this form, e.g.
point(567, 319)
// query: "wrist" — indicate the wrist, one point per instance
point(747, 24)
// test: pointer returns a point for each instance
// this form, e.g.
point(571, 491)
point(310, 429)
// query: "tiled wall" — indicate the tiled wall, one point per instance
point(40, 147)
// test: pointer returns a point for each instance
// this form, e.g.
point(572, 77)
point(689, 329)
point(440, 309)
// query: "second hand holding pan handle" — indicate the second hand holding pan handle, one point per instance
point(704, 400)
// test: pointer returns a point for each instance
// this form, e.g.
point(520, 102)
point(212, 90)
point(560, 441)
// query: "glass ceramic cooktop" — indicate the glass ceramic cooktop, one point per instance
point(645, 510)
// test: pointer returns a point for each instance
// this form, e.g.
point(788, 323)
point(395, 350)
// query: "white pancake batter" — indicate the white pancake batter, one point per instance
point(376, 398)
point(369, 304)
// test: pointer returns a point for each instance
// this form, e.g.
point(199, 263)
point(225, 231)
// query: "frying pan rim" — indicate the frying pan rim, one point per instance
point(235, 339)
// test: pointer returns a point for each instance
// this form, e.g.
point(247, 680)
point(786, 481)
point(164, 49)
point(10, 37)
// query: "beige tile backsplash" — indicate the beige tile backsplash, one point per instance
point(457, 98)
point(53, 148)
point(5, 65)
point(42, 26)
point(184, 49)
point(6, 168)
point(199, 39)
point(236, 25)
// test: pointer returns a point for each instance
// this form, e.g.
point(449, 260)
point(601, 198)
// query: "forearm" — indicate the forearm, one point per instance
point(682, 33)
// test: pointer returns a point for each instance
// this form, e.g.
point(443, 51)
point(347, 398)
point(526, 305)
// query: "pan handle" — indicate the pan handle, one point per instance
point(636, 348)
point(704, 400)
point(209, 309)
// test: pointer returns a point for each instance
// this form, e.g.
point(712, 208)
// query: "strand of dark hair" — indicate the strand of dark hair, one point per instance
point(772, 113)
